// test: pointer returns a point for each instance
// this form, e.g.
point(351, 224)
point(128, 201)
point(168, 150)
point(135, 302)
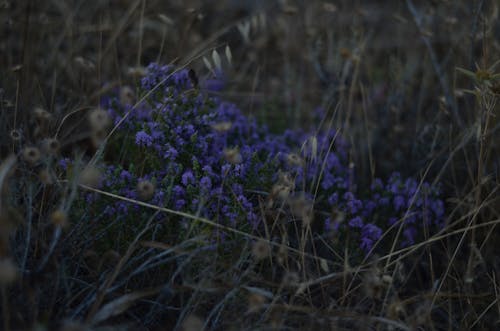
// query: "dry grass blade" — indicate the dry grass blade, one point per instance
point(120, 305)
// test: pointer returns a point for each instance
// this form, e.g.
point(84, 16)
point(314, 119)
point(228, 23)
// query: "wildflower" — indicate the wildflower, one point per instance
point(31, 155)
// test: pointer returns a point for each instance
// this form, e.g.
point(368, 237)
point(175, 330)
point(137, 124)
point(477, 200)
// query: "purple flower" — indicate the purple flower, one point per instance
point(143, 139)
point(356, 222)
point(188, 178)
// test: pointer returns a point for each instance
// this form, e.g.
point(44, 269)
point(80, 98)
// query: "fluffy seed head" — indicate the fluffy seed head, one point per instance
point(8, 271)
point(294, 160)
point(255, 302)
point(145, 190)
point(261, 249)
point(98, 137)
point(31, 155)
point(127, 96)
point(51, 146)
point(302, 208)
point(290, 279)
point(233, 155)
point(59, 218)
point(15, 135)
point(90, 176)
point(99, 119)
point(222, 127)
point(137, 72)
point(45, 176)
point(192, 323)
point(41, 115)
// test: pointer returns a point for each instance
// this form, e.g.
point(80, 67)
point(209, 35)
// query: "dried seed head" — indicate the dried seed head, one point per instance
point(41, 115)
point(59, 218)
point(145, 190)
point(255, 302)
point(99, 119)
point(31, 155)
point(192, 323)
point(282, 255)
point(222, 127)
point(286, 179)
point(233, 155)
point(98, 137)
point(261, 249)
point(290, 279)
point(73, 326)
point(280, 191)
point(90, 176)
point(294, 160)
point(373, 284)
point(51, 146)
point(8, 271)
point(15, 135)
point(302, 208)
point(127, 96)
point(396, 310)
point(45, 176)
point(84, 64)
point(137, 72)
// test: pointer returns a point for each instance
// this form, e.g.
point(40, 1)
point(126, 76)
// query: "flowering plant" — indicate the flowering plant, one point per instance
point(200, 154)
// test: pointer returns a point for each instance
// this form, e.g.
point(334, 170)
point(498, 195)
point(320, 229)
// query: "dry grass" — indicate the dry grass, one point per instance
point(386, 73)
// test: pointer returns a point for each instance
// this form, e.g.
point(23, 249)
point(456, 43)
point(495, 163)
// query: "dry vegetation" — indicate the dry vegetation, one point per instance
point(412, 86)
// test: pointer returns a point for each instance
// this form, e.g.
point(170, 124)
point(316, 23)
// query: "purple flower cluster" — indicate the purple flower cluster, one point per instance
point(205, 157)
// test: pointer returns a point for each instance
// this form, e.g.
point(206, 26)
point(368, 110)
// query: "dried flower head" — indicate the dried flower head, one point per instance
point(15, 135)
point(90, 176)
point(233, 155)
point(84, 64)
point(59, 218)
point(98, 137)
point(192, 323)
point(373, 283)
point(45, 176)
point(294, 160)
point(8, 271)
point(290, 279)
point(51, 146)
point(31, 155)
point(145, 190)
point(41, 115)
point(255, 302)
point(302, 208)
point(137, 72)
point(127, 96)
point(222, 127)
point(261, 249)
point(99, 119)
point(396, 310)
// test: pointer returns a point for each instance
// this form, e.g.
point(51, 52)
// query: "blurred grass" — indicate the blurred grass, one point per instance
point(386, 74)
